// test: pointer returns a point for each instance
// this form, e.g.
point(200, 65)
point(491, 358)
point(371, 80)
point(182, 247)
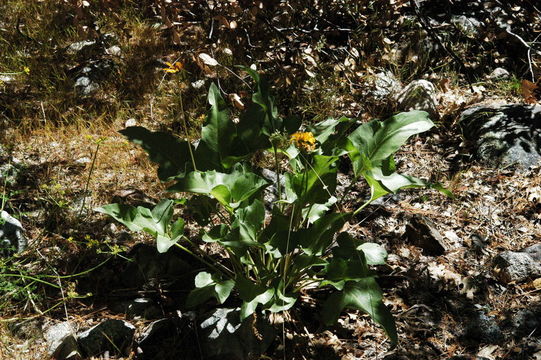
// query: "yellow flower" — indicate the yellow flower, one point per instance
point(174, 67)
point(304, 141)
point(26, 70)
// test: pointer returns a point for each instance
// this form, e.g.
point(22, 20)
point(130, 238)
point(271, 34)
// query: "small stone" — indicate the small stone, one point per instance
point(83, 160)
point(12, 232)
point(114, 50)
point(468, 25)
point(10, 172)
point(169, 339)
point(384, 85)
point(61, 341)
point(143, 308)
point(419, 95)
point(111, 335)
point(7, 78)
point(78, 46)
point(85, 86)
point(198, 84)
point(517, 266)
point(130, 122)
point(498, 73)
point(526, 322)
point(422, 232)
point(484, 329)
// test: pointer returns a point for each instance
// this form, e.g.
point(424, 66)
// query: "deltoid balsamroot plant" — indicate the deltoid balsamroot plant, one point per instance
point(274, 254)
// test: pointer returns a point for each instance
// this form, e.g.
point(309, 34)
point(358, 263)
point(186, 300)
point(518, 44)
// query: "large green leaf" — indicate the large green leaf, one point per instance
point(339, 271)
point(125, 214)
point(318, 237)
point(208, 286)
point(262, 97)
point(217, 135)
point(171, 154)
point(375, 254)
point(329, 133)
point(230, 189)
point(277, 236)
point(314, 185)
point(250, 221)
point(252, 295)
point(364, 295)
point(155, 222)
point(378, 140)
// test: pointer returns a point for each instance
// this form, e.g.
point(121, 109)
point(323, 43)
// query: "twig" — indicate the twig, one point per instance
point(90, 175)
point(527, 47)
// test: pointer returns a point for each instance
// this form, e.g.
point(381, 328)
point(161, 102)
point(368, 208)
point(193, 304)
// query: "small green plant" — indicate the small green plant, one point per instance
point(272, 255)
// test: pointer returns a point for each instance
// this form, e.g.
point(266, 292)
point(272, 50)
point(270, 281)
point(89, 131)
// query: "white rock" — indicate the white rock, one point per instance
point(419, 95)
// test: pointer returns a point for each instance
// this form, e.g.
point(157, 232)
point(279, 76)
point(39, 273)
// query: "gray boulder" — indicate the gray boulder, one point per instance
point(503, 136)
point(419, 95)
point(169, 339)
point(61, 341)
point(467, 25)
point(519, 266)
point(498, 74)
point(484, 329)
point(384, 85)
point(422, 232)
point(223, 335)
point(526, 322)
point(11, 234)
point(113, 336)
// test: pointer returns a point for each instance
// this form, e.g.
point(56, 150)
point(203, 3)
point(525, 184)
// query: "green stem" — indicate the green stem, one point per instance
point(30, 278)
point(98, 143)
point(277, 169)
point(225, 271)
point(184, 123)
point(361, 207)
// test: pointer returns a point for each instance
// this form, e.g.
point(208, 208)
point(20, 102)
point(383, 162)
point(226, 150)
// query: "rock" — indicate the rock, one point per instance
point(526, 322)
point(114, 50)
point(534, 251)
point(138, 308)
point(7, 78)
point(87, 79)
point(29, 329)
point(61, 341)
point(224, 336)
point(83, 160)
point(384, 85)
point(11, 234)
point(84, 86)
point(468, 25)
point(484, 329)
point(498, 73)
point(503, 136)
point(169, 339)
point(422, 232)
point(130, 122)
point(198, 84)
point(271, 192)
point(113, 336)
point(10, 172)
point(79, 46)
point(518, 266)
point(418, 95)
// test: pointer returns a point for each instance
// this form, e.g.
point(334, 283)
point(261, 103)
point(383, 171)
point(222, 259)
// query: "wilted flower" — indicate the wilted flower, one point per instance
point(174, 67)
point(304, 141)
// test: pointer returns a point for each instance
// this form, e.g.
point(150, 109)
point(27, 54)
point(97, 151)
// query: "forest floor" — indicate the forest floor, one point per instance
point(65, 157)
